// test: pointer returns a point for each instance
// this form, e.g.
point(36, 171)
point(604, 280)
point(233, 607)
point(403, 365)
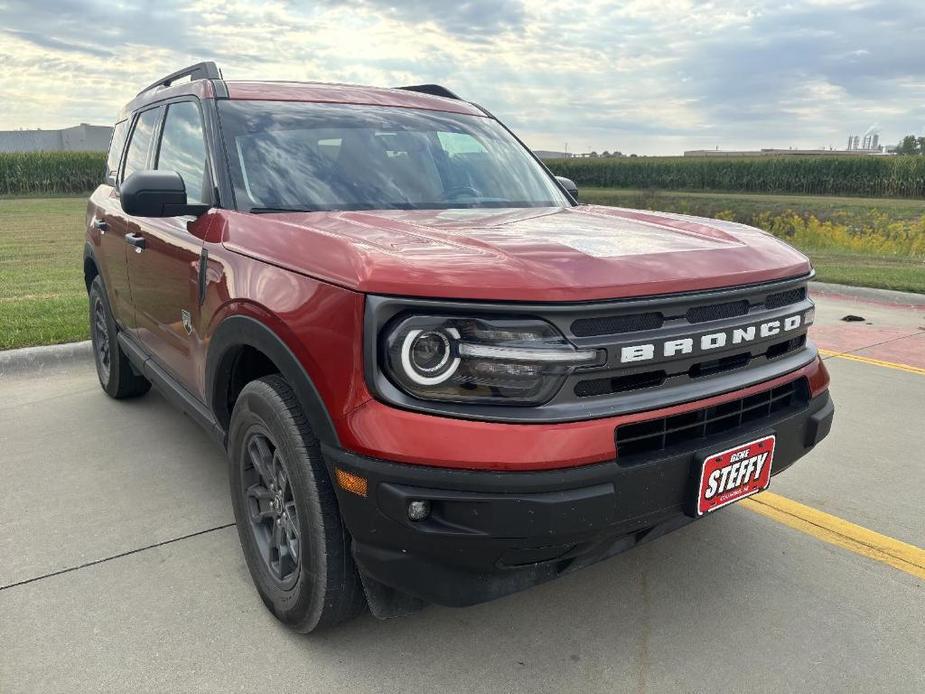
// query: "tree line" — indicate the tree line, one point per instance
point(911, 144)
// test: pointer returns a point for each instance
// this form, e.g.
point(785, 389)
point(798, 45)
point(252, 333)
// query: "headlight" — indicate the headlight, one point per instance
point(430, 357)
point(479, 360)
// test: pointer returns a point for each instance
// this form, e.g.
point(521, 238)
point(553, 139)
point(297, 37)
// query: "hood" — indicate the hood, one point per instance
point(538, 254)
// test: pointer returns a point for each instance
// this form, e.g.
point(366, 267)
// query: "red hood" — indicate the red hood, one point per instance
point(550, 254)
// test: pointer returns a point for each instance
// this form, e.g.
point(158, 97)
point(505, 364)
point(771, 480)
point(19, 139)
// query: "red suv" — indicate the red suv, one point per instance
point(436, 376)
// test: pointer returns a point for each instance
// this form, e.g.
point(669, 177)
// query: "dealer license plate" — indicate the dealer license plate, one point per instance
point(734, 474)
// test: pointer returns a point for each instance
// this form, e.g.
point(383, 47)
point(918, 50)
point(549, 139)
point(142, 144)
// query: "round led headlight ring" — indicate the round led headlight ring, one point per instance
point(427, 356)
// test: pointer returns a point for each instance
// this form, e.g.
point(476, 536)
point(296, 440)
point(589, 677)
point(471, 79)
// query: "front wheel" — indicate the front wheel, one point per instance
point(294, 542)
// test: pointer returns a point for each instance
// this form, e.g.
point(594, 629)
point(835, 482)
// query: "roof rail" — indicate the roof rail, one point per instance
point(200, 71)
point(432, 89)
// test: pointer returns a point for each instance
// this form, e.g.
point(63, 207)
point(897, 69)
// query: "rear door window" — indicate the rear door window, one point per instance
point(183, 149)
point(139, 148)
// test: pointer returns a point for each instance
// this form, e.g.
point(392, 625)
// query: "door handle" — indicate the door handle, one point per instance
point(137, 241)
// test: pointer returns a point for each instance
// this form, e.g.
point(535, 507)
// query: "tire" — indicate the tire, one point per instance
point(117, 377)
point(295, 544)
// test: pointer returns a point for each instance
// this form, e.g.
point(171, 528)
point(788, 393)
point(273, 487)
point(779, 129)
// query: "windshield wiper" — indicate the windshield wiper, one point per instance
point(268, 210)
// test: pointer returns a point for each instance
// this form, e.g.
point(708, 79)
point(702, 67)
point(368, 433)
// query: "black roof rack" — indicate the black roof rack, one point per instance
point(432, 89)
point(200, 71)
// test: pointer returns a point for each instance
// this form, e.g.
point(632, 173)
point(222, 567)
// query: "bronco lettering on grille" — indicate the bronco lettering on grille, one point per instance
point(678, 347)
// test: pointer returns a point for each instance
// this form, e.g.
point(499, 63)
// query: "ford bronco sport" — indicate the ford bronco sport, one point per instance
point(438, 379)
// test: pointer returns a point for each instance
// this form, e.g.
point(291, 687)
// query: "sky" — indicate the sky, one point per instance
point(647, 77)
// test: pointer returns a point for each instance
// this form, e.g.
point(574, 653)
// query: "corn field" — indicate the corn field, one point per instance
point(32, 173)
point(28, 173)
point(868, 176)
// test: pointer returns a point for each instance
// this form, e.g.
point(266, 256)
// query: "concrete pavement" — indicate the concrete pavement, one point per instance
point(101, 491)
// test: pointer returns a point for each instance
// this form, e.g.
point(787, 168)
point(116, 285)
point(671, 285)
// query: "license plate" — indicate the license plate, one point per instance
point(734, 474)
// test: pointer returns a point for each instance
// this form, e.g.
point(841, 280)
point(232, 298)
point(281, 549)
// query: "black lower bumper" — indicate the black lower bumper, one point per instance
point(493, 533)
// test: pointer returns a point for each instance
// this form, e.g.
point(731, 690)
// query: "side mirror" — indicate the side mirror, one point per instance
point(569, 185)
point(156, 194)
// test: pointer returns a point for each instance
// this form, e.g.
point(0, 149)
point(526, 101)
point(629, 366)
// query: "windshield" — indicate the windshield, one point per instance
point(311, 156)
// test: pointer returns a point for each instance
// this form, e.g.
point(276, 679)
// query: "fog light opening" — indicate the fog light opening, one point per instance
point(418, 510)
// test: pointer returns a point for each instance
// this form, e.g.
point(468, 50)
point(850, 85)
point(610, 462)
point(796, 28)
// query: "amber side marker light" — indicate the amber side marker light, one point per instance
point(350, 482)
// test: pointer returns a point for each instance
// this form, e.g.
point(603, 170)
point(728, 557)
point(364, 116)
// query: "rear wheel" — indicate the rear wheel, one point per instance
point(115, 371)
point(294, 542)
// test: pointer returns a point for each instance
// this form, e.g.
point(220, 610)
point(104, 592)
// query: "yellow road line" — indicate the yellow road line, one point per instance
point(875, 362)
point(838, 532)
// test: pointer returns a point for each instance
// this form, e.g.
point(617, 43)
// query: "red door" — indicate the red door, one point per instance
point(108, 221)
point(165, 279)
point(164, 254)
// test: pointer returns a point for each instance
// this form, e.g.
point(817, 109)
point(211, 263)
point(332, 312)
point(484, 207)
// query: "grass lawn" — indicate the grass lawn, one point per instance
point(711, 204)
point(897, 271)
point(42, 296)
point(901, 274)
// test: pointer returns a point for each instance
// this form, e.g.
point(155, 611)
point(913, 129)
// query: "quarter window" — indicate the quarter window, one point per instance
point(138, 148)
point(183, 149)
point(115, 150)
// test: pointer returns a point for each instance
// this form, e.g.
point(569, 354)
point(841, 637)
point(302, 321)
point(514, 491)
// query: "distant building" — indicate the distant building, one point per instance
point(546, 154)
point(603, 155)
point(869, 145)
point(770, 152)
point(80, 138)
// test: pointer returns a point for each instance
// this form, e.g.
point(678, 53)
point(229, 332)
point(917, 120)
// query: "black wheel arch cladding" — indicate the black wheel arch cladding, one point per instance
point(237, 332)
point(91, 266)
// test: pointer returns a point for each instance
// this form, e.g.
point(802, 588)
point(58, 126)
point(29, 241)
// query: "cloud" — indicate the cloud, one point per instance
point(632, 76)
point(464, 19)
point(44, 41)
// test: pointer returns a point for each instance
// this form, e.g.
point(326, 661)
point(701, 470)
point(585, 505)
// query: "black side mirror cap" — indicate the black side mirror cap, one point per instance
point(569, 186)
point(156, 194)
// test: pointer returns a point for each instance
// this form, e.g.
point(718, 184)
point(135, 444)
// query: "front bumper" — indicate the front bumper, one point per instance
point(493, 533)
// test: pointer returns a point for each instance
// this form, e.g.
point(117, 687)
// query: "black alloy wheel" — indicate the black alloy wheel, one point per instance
point(272, 513)
point(99, 334)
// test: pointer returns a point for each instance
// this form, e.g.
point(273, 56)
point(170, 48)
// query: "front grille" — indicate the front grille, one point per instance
point(619, 384)
point(600, 325)
point(596, 387)
point(613, 325)
point(718, 366)
point(702, 314)
point(691, 428)
point(791, 296)
point(782, 348)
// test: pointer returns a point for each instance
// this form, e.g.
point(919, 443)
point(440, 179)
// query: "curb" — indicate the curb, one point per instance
point(877, 296)
point(37, 359)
